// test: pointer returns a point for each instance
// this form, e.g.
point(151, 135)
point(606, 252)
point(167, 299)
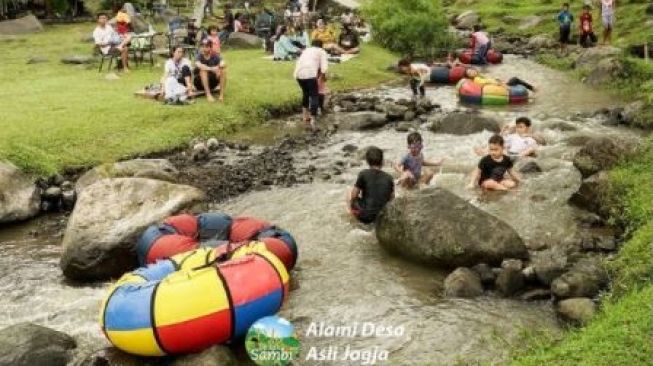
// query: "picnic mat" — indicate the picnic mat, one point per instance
point(156, 93)
point(342, 58)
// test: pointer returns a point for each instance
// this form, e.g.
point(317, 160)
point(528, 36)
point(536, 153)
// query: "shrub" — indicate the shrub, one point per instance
point(412, 27)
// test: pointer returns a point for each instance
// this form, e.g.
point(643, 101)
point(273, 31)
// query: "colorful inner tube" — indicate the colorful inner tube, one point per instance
point(470, 92)
point(194, 300)
point(446, 75)
point(182, 233)
point(467, 57)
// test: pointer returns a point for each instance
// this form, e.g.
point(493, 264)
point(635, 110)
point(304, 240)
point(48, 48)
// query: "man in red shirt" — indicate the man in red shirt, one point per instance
point(587, 37)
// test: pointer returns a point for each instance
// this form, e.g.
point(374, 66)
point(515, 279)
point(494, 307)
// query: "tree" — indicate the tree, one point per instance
point(412, 27)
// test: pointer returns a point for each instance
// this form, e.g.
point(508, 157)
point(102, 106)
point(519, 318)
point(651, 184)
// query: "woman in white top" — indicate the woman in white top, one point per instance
point(607, 16)
point(176, 80)
point(312, 61)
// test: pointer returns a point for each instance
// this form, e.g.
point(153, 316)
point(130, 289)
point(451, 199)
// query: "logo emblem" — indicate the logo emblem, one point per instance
point(271, 341)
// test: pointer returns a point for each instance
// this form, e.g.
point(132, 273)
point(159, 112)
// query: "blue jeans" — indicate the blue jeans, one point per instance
point(480, 56)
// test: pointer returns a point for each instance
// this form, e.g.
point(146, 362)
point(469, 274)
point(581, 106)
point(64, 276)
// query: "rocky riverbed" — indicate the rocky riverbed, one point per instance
point(299, 180)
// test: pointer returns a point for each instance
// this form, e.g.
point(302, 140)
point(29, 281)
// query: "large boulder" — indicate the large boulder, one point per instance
point(467, 20)
point(24, 25)
point(243, 40)
point(541, 41)
point(27, 344)
point(584, 279)
point(592, 195)
point(638, 114)
point(20, 199)
point(160, 169)
point(463, 282)
point(548, 265)
point(601, 153)
point(576, 310)
point(215, 356)
point(361, 120)
point(606, 70)
point(99, 241)
point(591, 57)
point(463, 123)
point(436, 227)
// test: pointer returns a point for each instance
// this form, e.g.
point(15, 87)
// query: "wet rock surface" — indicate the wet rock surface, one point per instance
point(432, 226)
point(28, 344)
point(19, 196)
point(463, 282)
point(585, 279)
point(577, 310)
point(99, 241)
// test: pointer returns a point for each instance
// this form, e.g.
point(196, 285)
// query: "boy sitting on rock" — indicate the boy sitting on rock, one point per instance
point(518, 140)
point(492, 168)
point(372, 190)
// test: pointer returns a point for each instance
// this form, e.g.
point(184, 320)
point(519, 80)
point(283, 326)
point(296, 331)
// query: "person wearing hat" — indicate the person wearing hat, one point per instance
point(209, 71)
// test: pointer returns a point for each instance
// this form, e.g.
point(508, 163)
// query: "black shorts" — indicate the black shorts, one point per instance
point(214, 81)
point(564, 34)
point(359, 212)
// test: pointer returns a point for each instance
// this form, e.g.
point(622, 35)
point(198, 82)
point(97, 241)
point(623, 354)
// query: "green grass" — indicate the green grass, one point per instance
point(56, 116)
point(621, 333)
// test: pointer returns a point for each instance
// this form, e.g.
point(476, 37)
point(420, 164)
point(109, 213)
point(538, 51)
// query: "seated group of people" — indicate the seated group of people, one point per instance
point(182, 80)
point(374, 188)
point(290, 42)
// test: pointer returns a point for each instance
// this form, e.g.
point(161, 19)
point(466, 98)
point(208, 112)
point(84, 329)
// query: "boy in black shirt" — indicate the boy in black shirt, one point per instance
point(373, 188)
point(491, 170)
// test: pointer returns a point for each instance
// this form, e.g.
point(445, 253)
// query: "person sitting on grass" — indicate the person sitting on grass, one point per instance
point(348, 40)
point(410, 167)
point(299, 37)
point(419, 73)
point(565, 18)
point(324, 34)
point(492, 168)
point(373, 188)
point(586, 32)
point(480, 45)
point(176, 80)
point(476, 77)
point(518, 142)
point(109, 42)
point(209, 72)
point(284, 49)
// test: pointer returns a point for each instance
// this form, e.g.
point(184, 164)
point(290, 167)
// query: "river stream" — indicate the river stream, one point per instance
point(344, 278)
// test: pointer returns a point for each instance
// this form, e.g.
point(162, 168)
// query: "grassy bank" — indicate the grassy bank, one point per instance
point(620, 334)
point(56, 116)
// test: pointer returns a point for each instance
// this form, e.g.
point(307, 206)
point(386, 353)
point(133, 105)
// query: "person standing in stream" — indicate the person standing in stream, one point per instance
point(312, 61)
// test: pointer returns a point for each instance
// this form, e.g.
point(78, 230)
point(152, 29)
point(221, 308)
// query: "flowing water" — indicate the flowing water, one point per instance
point(344, 278)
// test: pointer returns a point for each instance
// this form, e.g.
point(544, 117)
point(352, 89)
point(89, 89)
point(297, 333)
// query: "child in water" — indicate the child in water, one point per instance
point(518, 140)
point(419, 73)
point(373, 189)
point(322, 90)
point(492, 168)
point(411, 165)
